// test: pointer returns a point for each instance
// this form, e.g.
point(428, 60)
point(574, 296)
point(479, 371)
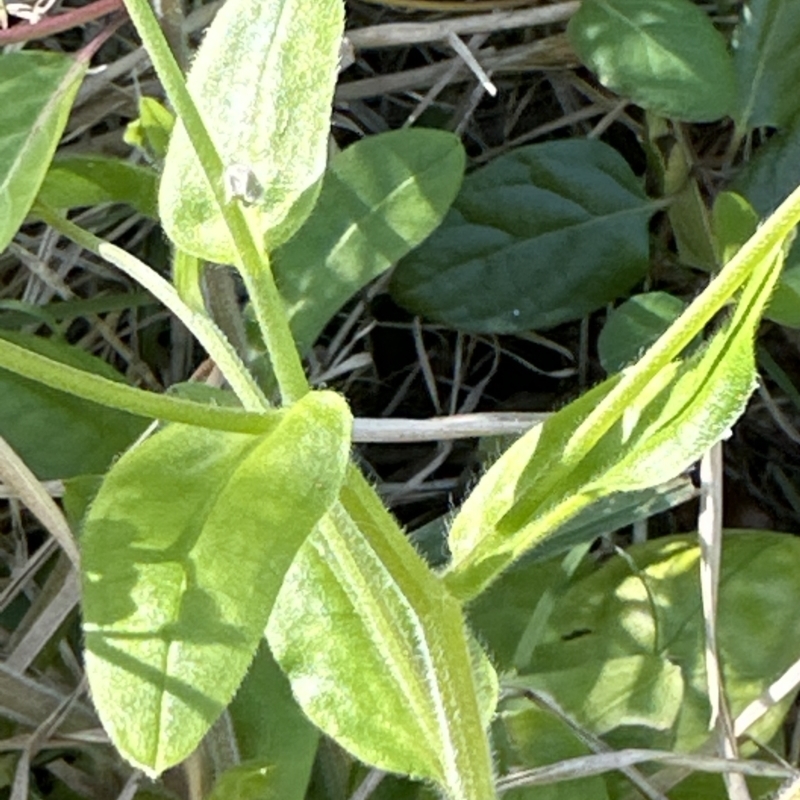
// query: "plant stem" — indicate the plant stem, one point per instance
point(111, 394)
point(768, 238)
point(206, 332)
point(252, 259)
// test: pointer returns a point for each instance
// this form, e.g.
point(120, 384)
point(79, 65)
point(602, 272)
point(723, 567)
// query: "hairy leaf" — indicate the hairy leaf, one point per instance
point(393, 676)
point(263, 81)
point(687, 406)
point(184, 550)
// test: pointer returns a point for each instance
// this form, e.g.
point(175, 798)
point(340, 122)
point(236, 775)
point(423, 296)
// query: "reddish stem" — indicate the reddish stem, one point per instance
point(23, 32)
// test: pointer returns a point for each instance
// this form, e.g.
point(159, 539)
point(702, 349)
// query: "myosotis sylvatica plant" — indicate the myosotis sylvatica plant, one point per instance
point(233, 528)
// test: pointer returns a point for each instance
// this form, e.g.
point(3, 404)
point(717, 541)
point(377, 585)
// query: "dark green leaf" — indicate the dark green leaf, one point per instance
point(184, 550)
point(263, 81)
point(665, 55)
point(271, 729)
point(79, 181)
point(772, 174)
point(56, 434)
point(36, 91)
point(379, 198)
point(393, 676)
point(767, 62)
point(633, 326)
point(543, 235)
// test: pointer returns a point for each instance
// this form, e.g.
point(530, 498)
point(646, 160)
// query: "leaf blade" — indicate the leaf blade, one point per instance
point(490, 267)
point(379, 198)
point(687, 407)
point(181, 568)
point(251, 48)
point(40, 87)
point(413, 706)
point(663, 54)
point(767, 63)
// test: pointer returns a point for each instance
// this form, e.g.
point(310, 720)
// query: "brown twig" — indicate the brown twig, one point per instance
point(22, 32)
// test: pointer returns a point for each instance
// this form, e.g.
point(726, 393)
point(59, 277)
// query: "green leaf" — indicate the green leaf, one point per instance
point(398, 681)
point(649, 603)
point(37, 90)
point(271, 730)
point(686, 407)
point(784, 305)
point(184, 550)
point(540, 236)
point(56, 434)
point(633, 326)
point(79, 181)
point(530, 737)
point(380, 198)
point(767, 63)
point(150, 132)
point(734, 221)
point(665, 55)
point(603, 694)
point(772, 174)
point(250, 780)
point(263, 81)
point(691, 226)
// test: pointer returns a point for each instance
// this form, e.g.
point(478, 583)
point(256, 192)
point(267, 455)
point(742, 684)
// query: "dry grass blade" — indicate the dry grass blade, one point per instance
point(459, 6)
point(709, 526)
point(392, 34)
point(23, 482)
point(27, 701)
point(585, 766)
point(59, 597)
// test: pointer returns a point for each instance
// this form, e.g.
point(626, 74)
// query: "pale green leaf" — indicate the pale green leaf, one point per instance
point(767, 63)
point(665, 55)
point(263, 81)
point(545, 234)
point(36, 93)
point(687, 407)
point(380, 197)
point(184, 550)
point(691, 226)
point(393, 676)
point(734, 221)
point(150, 132)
